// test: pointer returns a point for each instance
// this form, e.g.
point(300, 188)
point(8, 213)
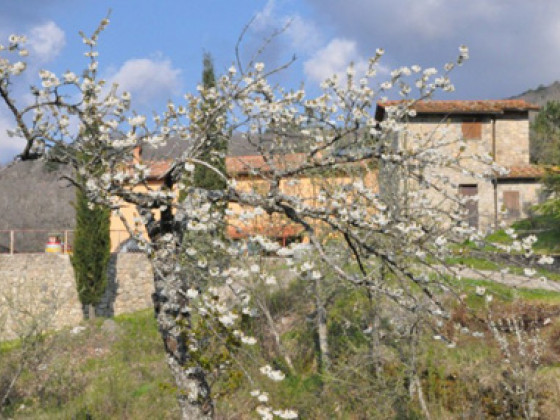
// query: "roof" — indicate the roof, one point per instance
point(172, 148)
point(157, 168)
point(242, 165)
point(243, 153)
point(246, 144)
point(525, 171)
point(468, 107)
point(265, 229)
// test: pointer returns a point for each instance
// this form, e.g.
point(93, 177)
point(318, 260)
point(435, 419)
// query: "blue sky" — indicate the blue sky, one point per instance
point(154, 48)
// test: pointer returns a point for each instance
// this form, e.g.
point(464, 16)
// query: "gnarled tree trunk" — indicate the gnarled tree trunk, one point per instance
point(172, 316)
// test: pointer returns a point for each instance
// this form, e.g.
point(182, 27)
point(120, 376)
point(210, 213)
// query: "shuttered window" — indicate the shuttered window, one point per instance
point(472, 130)
point(511, 204)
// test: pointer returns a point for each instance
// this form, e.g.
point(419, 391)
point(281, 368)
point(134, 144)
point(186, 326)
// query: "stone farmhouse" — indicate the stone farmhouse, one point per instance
point(496, 127)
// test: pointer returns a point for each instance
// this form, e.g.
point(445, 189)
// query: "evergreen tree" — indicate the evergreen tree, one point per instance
point(91, 251)
point(92, 237)
point(545, 149)
point(214, 153)
point(545, 135)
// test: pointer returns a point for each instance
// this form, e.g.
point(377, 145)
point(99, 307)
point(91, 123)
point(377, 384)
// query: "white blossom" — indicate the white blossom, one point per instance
point(275, 375)
point(529, 272)
point(545, 259)
point(228, 319)
point(286, 414)
point(192, 293)
point(249, 340)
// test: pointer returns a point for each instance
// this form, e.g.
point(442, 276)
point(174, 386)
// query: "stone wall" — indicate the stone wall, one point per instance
point(512, 141)
point(38, 291)
point(512, 136)
point(530, 193)
point(512, 149)
point(130, 285)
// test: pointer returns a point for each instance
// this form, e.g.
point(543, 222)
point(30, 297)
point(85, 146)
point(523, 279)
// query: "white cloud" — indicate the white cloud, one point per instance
point(148, 80)
point(334, 59)
point(512, 42)
point(46, 41)
point(265, 18)
point(303, 35)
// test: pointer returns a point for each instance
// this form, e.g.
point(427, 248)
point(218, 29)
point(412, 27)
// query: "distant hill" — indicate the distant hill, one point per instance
point(541, 95)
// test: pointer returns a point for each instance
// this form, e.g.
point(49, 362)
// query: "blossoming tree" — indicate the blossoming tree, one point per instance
point(394, 237)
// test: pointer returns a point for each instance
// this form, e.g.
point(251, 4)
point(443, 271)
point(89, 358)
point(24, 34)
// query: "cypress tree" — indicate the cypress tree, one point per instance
point(214, 153)
point(91, 251)
point(216, 143)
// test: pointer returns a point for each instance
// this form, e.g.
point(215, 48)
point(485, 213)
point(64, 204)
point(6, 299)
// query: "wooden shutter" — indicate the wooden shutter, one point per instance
point(472, 130)
point(511, 204)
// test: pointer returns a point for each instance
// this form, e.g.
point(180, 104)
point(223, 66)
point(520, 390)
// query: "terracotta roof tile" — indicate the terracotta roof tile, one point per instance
point(526, 171)
point(157, 168)
point(236, 165)
point(240, 165)
point(471, 107)
point(264, 229)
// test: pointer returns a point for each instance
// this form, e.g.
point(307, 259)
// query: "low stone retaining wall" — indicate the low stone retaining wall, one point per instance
point(38, 291)
point(130, 285)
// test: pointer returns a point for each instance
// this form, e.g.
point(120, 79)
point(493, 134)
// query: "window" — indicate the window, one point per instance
point(471, 206)
point(472, 129)
point(511, 204)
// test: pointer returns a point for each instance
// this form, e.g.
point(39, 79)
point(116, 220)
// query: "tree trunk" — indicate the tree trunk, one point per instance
point(322, 331)
point(170, 306)
point(172, 312)
point(323, 339)
point(281, 351)
point(375, 320)
point(91, 311)
point(375, 341)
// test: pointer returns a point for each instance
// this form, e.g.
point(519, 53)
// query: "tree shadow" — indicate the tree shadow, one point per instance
point(106, 307)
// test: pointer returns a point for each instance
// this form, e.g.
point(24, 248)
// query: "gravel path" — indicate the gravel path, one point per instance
point(512, 280)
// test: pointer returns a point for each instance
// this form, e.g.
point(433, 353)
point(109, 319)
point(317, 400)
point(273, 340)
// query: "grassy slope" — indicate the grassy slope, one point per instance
point(121, 374)
point(98, 372)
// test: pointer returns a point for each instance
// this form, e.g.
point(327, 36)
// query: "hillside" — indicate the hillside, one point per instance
point(541, 95)
point(34, 197)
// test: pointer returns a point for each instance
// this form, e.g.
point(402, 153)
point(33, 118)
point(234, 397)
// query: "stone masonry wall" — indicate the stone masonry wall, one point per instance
point(512, 149)
point(529, 195)
point(512, 141)
point(129, 287)
point(38, 291)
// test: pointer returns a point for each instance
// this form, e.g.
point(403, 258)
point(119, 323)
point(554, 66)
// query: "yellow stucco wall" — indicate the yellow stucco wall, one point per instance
point(119, 233)
point(305, 188)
